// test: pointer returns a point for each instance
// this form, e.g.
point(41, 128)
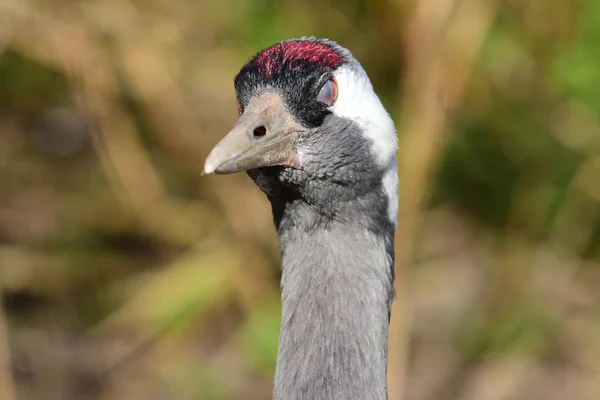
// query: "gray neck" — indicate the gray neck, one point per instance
point(336, 294)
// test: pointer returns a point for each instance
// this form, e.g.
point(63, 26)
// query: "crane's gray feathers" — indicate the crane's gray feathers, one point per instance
point(335, 215)
point(336, 293)
point(339, 178)
point(337, 246)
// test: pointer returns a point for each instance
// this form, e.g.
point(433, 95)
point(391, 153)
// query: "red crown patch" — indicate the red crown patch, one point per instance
point(270, 60)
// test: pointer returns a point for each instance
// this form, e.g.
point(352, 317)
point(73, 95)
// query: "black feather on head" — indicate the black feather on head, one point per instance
point(296, 70)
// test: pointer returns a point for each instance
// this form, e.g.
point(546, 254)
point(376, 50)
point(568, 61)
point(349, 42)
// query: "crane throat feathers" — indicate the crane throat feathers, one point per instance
point(317, 204)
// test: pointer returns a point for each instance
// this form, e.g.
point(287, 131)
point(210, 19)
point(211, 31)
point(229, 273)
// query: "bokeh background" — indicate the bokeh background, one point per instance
point(125, 274)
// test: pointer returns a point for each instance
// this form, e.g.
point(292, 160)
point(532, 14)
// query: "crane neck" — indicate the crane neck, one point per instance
point(337, 290)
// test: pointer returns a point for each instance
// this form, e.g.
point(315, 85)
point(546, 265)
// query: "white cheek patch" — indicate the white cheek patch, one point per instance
point(358, 102)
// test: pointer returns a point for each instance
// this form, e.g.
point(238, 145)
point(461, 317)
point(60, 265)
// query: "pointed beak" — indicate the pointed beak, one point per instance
point(263, 136)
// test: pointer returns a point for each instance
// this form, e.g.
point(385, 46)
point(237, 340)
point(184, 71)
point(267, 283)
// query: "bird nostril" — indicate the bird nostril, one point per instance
point(260, 131)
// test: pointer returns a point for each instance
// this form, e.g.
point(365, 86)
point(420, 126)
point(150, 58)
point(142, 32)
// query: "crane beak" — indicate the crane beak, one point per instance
point(263, 136)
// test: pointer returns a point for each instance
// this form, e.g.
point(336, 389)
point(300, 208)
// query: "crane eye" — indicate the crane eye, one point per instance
point(328, 93)
point(239, 106)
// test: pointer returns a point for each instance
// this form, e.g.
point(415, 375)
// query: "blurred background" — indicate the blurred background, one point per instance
point(125, 274)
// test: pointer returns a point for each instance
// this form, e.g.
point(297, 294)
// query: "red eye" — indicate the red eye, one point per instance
point(328, 93)
point(239, 106)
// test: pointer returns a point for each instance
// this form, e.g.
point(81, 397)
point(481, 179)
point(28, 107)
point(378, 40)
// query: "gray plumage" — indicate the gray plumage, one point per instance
point(336, 245)
point(336, 292)
point(333, 207)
